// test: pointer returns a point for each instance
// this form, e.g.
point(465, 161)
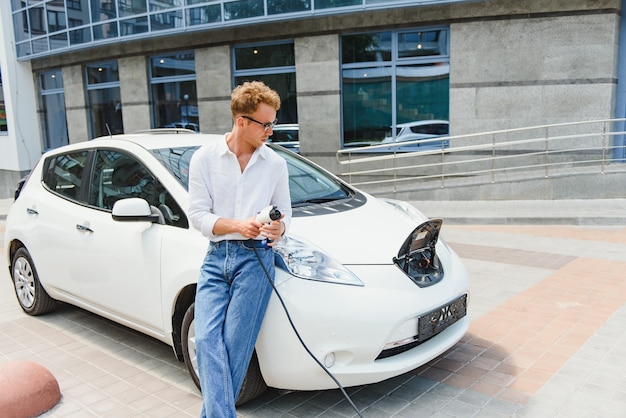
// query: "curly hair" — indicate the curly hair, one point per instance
point(246, 98)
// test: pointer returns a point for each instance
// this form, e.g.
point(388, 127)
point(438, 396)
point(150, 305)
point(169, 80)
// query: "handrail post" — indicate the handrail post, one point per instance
point(604, 148)
point(547, 152)
point(493, 158)
point(443, 166)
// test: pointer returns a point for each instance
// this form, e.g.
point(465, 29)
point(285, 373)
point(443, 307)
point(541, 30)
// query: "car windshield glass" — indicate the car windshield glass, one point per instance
point(307, 183)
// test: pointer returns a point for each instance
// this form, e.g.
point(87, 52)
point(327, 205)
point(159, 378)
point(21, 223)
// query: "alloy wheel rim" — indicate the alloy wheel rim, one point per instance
point(24, 282)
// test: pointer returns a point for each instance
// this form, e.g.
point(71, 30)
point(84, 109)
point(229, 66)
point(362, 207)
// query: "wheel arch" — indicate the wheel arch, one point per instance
point(12, 249)
point(185, 298)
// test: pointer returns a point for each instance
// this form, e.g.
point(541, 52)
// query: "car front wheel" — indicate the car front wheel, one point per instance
point(253, 384)
point(31, 295)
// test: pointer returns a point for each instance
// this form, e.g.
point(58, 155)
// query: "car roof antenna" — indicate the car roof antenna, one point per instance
point(108, 129)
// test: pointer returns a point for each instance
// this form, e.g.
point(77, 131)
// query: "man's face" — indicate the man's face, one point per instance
point(258, 125)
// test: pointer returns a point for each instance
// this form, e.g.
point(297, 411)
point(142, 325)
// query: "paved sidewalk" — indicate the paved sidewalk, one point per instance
point(547, 337)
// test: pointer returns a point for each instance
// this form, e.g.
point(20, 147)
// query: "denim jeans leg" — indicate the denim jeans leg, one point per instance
point(212, 295)
point(250, 293)
point(231, 299)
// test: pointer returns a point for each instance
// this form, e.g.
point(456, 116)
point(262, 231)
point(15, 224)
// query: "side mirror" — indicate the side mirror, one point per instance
point(133, 209)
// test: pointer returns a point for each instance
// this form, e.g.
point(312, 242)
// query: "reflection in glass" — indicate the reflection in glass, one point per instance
point(422, 92)
point(105, 31)
point(204, 14)
point(169, 20)
point(102, 10)
point(287, 6)
point(156, 5)
point(285, 86)
point(367, 104)
point(243, 9)
point(133, 26)
point(422, 43)
point(175, 105)
point(170, 65)
point(105, 111)
point(371, 47)
point(104, 72)
point(80, 36)
point(265, 56)
point(54, 121)
point(20, 24)
point(326, 4)
point(131, 7)
point(104, 99)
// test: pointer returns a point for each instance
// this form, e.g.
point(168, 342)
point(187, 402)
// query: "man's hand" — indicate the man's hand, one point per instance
point(250, 228)
point(273, 231)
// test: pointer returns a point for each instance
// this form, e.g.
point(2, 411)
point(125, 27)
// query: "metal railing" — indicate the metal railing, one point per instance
point(545, 150)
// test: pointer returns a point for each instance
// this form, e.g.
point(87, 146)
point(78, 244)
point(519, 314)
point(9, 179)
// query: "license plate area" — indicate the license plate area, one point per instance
point(441, 318)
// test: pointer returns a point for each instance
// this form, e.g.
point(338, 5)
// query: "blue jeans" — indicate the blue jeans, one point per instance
point(231, 299)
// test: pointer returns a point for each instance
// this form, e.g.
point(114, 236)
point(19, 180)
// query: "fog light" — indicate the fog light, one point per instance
point(329, 360)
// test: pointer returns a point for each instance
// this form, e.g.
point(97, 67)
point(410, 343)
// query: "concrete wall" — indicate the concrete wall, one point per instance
point(525, 64)
point(134, 93)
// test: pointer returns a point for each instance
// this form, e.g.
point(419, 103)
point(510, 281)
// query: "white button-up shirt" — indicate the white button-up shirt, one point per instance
point(218, 188)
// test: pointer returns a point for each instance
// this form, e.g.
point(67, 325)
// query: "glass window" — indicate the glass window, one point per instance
point(117, 176)
point(104, 101)
point(3, 110)
point(173, 88)
point(131, 7)
point(105, 31)
point(156, 5)
point(133, 26)
point(392, 78)
point(422, 43)
point(264, 56)
point(63, 174)
point(102, 10)
point(204, 14)
point(273, 64)
point(325, 4)
point(54, 121)
point(287, 6)
point(164, 21)
point(243, 9)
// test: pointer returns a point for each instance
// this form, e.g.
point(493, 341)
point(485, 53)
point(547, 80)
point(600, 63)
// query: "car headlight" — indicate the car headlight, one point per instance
point(305, 261)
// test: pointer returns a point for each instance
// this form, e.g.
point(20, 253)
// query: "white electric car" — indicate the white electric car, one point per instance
point(369, 286)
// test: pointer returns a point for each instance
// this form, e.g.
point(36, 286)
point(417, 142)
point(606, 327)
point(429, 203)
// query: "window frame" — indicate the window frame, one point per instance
point(392, 64)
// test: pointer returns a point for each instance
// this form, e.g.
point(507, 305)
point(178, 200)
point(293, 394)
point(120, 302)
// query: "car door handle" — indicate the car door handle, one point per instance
point(83, 228)
point(32, 211)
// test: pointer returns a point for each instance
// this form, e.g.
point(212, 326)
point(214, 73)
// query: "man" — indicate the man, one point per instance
point(230, 181)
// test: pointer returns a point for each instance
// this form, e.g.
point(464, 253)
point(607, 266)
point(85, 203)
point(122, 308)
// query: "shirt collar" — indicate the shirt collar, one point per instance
point(224, 150)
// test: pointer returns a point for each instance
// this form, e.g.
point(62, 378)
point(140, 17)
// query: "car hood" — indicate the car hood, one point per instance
point(370, 234)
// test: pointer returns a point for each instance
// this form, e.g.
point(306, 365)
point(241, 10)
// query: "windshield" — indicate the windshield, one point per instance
point(307, 183)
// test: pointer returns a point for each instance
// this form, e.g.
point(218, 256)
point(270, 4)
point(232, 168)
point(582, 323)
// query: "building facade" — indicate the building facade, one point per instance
point(348, 71)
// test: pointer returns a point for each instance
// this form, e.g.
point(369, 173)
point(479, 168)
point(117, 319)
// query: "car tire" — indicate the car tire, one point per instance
point(253, 384)
point(31, 295)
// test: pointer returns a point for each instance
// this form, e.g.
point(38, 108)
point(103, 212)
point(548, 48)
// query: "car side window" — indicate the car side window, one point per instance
point(117, 175)
point(64, 174)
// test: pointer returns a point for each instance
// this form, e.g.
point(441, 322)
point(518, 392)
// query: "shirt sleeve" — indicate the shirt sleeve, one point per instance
point(200, 201)
point(282, 197)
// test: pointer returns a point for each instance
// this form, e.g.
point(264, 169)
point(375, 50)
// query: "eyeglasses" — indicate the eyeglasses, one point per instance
point(267, 126)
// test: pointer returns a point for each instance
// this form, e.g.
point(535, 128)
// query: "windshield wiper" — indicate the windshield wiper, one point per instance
point(315, 200)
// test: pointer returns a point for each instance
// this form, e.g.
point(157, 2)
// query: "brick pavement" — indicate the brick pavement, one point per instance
point(548, 304)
